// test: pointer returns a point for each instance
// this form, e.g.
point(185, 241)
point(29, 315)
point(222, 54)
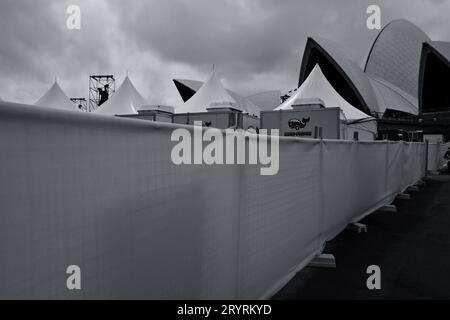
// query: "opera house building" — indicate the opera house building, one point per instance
point(404, 81)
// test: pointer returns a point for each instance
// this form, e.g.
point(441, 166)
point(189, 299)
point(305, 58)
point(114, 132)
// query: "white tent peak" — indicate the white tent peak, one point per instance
point(56, 98)
point(317, 86)
point(211, 92)
point(126, 100)
point(127, 82)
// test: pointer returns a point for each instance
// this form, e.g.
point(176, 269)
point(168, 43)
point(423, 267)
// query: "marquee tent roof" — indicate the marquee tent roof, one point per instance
point(246, 104)
point(187, 89)
point(266, 100)
point(126, 100)
point(55, 98)
point(317, 86)
point(211, 92)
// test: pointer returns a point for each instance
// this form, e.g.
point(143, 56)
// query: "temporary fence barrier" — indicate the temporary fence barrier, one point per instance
point(102, 193)
point(436, 155)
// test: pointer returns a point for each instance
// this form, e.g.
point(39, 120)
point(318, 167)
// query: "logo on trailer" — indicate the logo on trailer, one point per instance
point(298, 124)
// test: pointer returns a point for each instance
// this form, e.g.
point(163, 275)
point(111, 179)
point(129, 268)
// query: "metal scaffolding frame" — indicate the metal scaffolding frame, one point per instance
point(97, 83)
point(81, 103)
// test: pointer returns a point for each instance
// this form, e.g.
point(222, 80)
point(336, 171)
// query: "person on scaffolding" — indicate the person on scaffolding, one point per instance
point(104, 94)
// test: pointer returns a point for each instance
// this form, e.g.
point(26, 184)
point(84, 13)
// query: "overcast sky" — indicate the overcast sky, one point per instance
point(256, 45)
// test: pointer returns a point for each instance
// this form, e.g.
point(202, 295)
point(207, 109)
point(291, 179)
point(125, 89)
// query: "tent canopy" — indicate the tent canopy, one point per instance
point(212, 92)
point(126, 100)
point(317, 86)
point(55, 98)
point(188, 88)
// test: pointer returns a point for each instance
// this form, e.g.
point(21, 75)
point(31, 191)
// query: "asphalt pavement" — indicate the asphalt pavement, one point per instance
point(411, 248)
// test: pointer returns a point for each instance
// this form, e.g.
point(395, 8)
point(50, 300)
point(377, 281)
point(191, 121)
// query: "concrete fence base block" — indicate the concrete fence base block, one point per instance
point(323, 261)
point(388, 208)
point(413, 189)
point(357, 227)
point(421, 183)
point(404, 196)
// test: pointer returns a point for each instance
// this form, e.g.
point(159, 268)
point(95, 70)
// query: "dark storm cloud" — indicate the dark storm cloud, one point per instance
point(255, 44)
point(245, 39)
point(36, 46)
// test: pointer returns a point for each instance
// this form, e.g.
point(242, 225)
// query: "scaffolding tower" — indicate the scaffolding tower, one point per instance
point(101, 87)
point(81, 103)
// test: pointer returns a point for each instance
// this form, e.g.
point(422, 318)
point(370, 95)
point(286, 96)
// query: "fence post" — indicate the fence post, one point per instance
point(387, 168)
point(321, 192)
point(438, 155)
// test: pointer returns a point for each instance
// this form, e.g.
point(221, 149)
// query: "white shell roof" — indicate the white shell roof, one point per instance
point(192, 84)
point(442, 47)
point(395, 55)
point(351, 69)
point(391, 97)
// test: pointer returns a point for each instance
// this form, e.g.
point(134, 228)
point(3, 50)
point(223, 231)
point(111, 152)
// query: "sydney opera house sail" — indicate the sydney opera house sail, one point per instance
point(405, 71)
point(391, 98)
point(347, 78)
point(187, 88)
point(395, 55)
point(434, 94)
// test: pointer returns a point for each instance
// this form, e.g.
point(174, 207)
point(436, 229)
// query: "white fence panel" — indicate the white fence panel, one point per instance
point(102, 193)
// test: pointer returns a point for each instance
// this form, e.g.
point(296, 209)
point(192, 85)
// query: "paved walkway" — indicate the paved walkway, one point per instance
point(412, 248)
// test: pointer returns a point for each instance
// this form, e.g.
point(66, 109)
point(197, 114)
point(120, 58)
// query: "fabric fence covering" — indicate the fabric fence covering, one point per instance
point(102, 193)
point(436, 155)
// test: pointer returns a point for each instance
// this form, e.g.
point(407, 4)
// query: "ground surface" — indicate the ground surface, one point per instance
point(412, 248)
